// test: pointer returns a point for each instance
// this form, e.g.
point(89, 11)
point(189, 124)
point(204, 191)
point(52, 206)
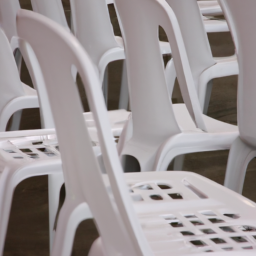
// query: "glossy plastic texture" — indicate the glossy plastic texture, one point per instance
point(8, 10)
point(210, 7)
point(52, 9)
point(21, 159)
point(160, 130)
point(15, 95)
point(63, 51)
point(178, 213)
point(95, 35)
point(204, 67)
point(242, 24)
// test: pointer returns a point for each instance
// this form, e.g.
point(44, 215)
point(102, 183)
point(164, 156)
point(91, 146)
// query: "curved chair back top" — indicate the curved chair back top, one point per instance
point(194, 36)
point(10, 84)
point(8, 10)
point(243, 16)
point(92, 27)
point(57, 51)
point(153, 116)
point(52, 9)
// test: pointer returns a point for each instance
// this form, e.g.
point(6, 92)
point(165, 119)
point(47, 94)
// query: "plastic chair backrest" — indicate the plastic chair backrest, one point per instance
point(10, 84)
point(52, 9)
point(230, 22)
point(242, 13)
point(57, 51)
point(92, 27)
point(153, 117)
point(194, 36)
point(8, 10)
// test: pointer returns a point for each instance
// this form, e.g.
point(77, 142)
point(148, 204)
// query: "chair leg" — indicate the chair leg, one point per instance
point(16, 118)
point(239, 157)
point(105, 86)
point(55, 181)
point(124, 91)
point(207, 96)
point(71, 215)
point(6, 194)
point(178, 162)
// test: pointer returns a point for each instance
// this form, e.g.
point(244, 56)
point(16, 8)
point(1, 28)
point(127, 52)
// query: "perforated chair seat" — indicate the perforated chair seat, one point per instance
point(184, 213)
point(25, 154)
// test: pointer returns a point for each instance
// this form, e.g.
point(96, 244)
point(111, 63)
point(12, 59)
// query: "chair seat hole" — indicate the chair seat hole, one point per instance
point(239, 239)
point(218, 240)
point(25, 150)
point(232, 215)
point(187, 233)
point(176, 196)
point(227, 229)
point(197, 222)
point(208, 231)
point(176, 224)
point(198, 243)
point(164, 186)
point(156, 197)
point(246, 228)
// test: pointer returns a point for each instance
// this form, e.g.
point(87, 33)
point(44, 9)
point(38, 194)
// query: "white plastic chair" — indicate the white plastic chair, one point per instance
point(96, 36)
point(15, 95)
point(178, 213)
point(160, 130)
point(243, 150)
point(8, 10)
point(24, 154)
point(204, 67)
point(103, 47)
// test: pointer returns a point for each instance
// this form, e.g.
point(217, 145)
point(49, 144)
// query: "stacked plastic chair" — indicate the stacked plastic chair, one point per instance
point(243, 150)
point(150, 213)
point(15, 95)
point(159, 130)
point(24, 154)
point(204, 67)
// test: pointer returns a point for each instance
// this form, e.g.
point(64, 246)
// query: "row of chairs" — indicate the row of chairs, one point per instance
point(104, 45)
point(156, 132)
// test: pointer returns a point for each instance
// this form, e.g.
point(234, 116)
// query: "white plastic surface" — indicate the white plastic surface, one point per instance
point(242, 25)
point(214, 25)
point(203, 66)
point(8, 10)
point(162, 130)
point(15, 95)
point(17, 165)
point(210, 7)
point(165, 203)
point(63, 45)
point(25, 154)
